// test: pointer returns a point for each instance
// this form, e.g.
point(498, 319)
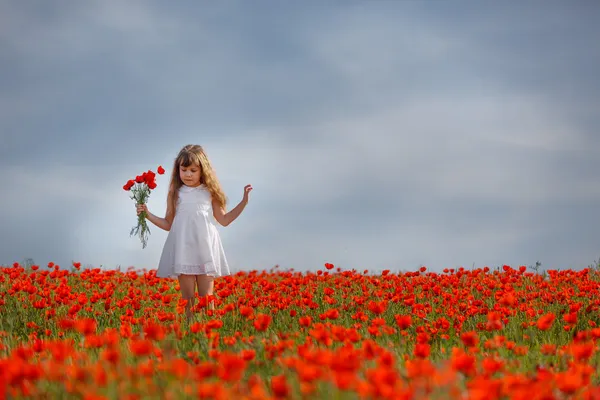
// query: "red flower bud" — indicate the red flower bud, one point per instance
point(128, 185)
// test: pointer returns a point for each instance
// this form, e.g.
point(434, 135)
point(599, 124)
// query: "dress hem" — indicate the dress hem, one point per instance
point(207, 269)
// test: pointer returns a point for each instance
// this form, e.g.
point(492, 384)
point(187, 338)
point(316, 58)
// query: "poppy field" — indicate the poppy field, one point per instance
point(504, 333)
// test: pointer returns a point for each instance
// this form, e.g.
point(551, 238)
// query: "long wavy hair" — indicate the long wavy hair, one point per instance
point(193, 154)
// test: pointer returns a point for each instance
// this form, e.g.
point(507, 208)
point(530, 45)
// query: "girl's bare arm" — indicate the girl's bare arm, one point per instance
point(224, 218)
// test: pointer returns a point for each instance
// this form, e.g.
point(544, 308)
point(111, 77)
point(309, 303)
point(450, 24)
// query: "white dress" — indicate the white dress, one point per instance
point(193, 245)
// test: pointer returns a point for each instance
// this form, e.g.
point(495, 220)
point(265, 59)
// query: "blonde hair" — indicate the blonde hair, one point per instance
point(195, 155)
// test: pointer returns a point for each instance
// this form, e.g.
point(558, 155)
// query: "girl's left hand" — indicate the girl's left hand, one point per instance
point(247, 190)
point(141, 208)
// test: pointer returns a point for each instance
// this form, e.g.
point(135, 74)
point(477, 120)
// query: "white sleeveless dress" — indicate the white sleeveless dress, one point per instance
point(193, 245)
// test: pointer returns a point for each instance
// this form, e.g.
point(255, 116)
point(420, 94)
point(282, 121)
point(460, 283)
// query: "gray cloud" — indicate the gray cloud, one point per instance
point(379, 135)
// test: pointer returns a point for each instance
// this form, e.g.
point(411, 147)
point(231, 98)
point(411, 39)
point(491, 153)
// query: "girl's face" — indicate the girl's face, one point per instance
point(190, 175)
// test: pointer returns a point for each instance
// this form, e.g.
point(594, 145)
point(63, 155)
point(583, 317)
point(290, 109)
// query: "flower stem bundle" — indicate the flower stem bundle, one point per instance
point(140, 189)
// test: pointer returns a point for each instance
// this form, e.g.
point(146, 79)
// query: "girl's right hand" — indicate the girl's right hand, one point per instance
point(140, 208)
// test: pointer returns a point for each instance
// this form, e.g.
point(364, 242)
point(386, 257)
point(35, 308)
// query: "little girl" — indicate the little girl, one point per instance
point(193, 251)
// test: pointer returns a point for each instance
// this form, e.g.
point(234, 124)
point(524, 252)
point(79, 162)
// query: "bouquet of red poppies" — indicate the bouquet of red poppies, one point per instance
point(140, 189)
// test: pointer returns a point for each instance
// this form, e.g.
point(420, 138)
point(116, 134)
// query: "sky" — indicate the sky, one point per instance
point(377, 135)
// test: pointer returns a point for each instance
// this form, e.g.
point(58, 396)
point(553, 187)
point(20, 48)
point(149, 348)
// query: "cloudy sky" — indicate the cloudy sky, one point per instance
point(380, 134)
